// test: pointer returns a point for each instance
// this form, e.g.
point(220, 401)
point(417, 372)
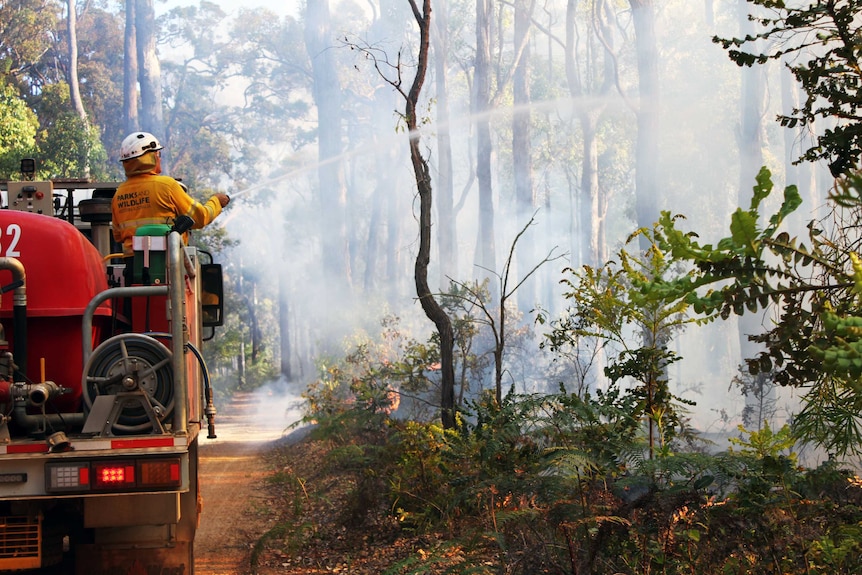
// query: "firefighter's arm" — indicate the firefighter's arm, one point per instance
point(201, 213)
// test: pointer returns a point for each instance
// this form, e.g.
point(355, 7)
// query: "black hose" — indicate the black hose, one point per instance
point(208, 392)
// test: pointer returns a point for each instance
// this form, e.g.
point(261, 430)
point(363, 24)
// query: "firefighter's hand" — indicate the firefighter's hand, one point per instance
point(223, 199)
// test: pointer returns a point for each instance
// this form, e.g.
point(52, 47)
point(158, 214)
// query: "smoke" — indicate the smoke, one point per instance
point(279, 223)
point(266, 414)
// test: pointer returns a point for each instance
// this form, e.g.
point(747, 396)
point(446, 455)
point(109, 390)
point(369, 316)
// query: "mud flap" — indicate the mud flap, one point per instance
point(96, 560)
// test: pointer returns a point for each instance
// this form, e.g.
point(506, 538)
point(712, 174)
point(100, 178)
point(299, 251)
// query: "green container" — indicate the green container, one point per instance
point(151, 245)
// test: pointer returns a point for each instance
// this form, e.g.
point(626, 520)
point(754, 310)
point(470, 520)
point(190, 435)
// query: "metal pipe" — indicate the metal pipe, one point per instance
point(38, 394)
point(101, 235)
point(177, 298)
point(31, 422)
point(90, 311)
point(19, 314)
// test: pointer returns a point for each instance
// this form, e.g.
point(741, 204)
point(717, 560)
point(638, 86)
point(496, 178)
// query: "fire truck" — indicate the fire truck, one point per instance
point(104, 392)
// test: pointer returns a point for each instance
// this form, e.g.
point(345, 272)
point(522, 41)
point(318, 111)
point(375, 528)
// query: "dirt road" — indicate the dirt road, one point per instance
point(232, 472)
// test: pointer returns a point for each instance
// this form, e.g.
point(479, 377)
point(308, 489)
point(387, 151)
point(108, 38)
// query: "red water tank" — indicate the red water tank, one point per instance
point(63, 272)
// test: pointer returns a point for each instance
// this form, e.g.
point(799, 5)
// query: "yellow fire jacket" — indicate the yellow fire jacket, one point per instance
point(153, 199)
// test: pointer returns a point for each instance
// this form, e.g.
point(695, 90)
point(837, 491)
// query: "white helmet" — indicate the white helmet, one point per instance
point(137, 144)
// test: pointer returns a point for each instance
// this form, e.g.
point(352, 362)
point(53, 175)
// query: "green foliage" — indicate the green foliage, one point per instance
point(765, 443)
point(18, 128)
point(820, 41)
point(25, 39)
point(463, 304)
point(812, 286)
point(837, 552)
point(446, 558)
point(377, 373)
point(67, 146)
point(18, 125)
point(607, 304)
point(563, 483)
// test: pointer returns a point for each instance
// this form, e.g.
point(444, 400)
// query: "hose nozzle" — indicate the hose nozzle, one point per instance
point(210, 412)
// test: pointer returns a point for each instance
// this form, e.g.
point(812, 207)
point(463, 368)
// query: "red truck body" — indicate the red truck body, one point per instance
point(103, 389)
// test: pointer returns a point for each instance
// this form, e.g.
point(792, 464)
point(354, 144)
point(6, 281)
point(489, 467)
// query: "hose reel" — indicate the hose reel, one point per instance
point(131, 374)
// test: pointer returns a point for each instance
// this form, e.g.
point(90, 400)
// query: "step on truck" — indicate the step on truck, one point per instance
point(104, 392)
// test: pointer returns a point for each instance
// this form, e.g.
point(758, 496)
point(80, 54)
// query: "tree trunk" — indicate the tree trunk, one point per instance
point(589, 105)
point(423, 184)
point(333, 190)
point(375, 228)
point(585, 228)
point(646, 169)
point(286, 350)
point(256, 335)
point(522, 163)
point(150, 75)
point(485, 251)
point(240, 366)
point(589, 220)
point(386, 181)
point(74, 87)
point(447, 232)
point(130, 71)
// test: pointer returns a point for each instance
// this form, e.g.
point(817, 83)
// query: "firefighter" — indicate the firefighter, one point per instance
point(147, 197)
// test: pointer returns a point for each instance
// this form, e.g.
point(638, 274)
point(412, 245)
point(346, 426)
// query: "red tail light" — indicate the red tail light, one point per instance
point(114, 475)
point(160, 473)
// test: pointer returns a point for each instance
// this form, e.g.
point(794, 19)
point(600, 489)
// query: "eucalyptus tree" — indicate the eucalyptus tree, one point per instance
point(94, 71)
point(447, 231)
point(392, 71)
point(199, 126)
point(269, 54)
point(590, 76)
point(72, 39)
point(39, 60)
point(332, 190)
point(100, 47)
point(432, 308)
point(130, 71)
point(149, 73)
point(486, 253)
point(411, 91)
point(522, 149)
point(647, 150)
point(142, 81)
point(26, 29)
